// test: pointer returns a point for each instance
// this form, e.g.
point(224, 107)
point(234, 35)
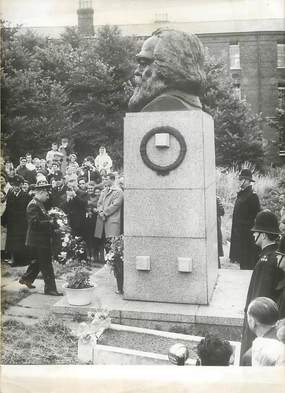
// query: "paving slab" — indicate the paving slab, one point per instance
point(225, 308)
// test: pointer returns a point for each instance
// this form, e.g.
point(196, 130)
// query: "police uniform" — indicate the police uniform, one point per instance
point(265, 275)
point(280, 288)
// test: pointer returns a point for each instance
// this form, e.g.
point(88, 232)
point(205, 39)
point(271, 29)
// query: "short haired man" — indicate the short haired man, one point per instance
point(213, 351)
point(23, 171)
point(266, 274)
point(38, 239)
point(29, 164)
point(58, 194)
point(262, 316)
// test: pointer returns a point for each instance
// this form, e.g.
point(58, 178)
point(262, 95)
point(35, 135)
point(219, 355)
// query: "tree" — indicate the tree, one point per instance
point(79, 87)
point(238, 136)
point(35, 105)
point(98, 88)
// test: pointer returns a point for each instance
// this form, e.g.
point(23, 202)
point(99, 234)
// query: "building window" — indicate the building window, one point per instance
point(85, 4)
point(237, 91)
point(281, 96)
point(234, 57)
point(161, 17)
point(281, 55)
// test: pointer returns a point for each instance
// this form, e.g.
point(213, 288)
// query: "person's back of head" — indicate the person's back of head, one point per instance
point(267, 352)
point(264, 310)
point(213, 351)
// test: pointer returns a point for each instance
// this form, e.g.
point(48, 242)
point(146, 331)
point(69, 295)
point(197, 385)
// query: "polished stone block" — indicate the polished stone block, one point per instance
point(173, 215)
point(198, 160)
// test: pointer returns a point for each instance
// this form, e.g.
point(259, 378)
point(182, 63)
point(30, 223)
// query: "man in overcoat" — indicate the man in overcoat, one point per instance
point(243, 249)
point(38, 239)
point(14, 219)
point(266, 274)
point(109, 207)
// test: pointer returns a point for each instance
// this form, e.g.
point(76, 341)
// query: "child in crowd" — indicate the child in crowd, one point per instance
point(73, 165)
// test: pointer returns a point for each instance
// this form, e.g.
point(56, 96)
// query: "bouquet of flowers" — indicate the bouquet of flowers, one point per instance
point(98, 321)
point(67, 247)
point(115, 256)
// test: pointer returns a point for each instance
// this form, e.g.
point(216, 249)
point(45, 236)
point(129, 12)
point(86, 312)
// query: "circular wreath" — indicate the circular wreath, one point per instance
point(159, 169)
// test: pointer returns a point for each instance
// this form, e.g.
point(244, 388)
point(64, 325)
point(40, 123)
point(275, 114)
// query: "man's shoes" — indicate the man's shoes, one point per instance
point(27, 283)
point(53, 293)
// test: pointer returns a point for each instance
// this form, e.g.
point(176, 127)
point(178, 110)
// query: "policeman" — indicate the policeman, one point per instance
point(280, 255)
point(266, 274)
point(38, 239)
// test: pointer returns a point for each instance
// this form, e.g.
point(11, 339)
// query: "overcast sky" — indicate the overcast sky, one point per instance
point(63, 12)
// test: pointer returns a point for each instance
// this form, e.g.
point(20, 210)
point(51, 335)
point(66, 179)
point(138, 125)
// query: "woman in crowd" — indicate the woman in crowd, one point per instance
point(103, 160)
point(90, 222)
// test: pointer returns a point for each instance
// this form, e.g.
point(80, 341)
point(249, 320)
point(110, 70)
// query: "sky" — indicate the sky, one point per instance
point(63, 12)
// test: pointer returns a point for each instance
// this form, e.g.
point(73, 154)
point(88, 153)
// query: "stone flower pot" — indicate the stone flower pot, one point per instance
point(79, 297)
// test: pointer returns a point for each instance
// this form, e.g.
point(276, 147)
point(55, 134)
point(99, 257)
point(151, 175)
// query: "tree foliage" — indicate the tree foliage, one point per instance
point(79, 87)
point(238, 136)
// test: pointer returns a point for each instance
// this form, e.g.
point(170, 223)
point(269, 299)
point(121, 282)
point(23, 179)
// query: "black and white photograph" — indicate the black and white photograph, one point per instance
point(143, 196)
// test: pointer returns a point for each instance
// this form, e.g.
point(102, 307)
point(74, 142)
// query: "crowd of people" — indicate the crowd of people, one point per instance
point(92, 198)
point(89, 193)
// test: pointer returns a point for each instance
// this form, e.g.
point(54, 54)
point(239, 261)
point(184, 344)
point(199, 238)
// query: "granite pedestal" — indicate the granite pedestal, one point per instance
point(223, 316)
point(170, 221)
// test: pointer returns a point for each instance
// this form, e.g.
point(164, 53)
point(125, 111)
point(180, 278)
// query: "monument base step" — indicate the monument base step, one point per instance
point(223, 316)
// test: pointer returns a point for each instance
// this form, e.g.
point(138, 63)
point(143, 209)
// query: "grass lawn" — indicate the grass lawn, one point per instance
point(48, 341)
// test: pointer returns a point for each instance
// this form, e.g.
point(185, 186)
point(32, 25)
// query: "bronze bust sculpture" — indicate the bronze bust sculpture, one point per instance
point(170, 74)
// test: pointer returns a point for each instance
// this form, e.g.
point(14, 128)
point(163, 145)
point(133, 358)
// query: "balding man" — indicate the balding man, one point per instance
point(262, 316)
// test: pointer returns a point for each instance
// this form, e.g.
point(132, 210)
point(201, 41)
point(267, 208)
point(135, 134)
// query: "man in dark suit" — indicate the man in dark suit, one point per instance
point(38, 239)
point(243, 249)
point(14, 219)
point(262, 316)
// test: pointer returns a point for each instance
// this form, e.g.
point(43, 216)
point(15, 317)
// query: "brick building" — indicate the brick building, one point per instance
point(247, 34)
point(253, 49)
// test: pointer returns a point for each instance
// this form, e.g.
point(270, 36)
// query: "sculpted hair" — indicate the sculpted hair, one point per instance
point(179, 60)
point(264, 310)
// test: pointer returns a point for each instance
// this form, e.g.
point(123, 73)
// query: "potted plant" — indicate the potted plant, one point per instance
point(115, 259)
point(78, 288)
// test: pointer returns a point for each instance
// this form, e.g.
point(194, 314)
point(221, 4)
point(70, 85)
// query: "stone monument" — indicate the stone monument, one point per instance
point(169, 164)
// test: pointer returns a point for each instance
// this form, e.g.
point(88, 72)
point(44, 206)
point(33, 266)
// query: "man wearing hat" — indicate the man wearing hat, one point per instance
point(38, 239)
point(266, 274)
point(14, 219)
point(243, 249)
point(280, 256)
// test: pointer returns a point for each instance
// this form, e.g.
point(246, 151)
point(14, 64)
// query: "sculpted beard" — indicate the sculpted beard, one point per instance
point(148, 86)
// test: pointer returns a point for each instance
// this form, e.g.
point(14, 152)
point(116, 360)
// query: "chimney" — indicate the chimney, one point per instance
point(85, 15)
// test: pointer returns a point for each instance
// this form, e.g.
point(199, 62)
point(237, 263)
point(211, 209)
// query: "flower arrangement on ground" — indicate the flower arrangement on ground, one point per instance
point(115, 259)
point(67, 248)
point(79, 279)
point(97, 322)
point(78, 287)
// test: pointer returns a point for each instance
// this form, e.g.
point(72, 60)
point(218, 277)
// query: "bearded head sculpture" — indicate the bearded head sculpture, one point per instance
point(168, 60)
